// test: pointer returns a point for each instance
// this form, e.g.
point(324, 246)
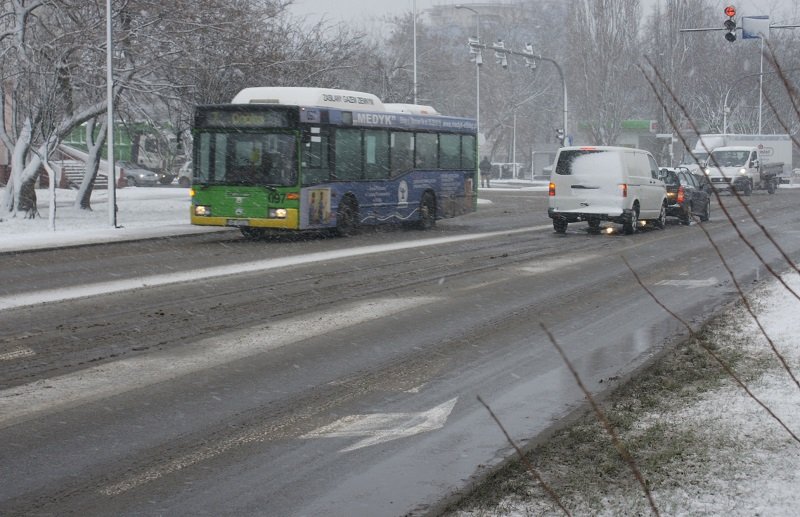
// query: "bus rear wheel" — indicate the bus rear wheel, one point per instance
point(427, 211)
point(346, 218)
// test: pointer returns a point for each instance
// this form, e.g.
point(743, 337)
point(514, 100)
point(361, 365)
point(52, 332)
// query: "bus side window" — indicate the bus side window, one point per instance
point(348, 154)
point(376, 154)
point(315, 161)
point(426, 156)
point(468, 152)
point(449, 151)
point(401, 152)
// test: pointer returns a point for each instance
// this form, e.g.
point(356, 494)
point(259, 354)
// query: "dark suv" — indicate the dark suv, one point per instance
point(686, 195)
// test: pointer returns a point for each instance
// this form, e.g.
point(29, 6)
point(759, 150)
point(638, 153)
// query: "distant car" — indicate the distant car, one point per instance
point(686, 195)
point(185, 174)
point(137, 176)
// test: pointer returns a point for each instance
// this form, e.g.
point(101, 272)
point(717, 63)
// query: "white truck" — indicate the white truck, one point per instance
point(743, 168)
point(772, 149)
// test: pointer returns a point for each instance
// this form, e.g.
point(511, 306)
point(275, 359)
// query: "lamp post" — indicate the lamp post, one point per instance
point(514, 135)
point(477, 69)
point(110, 170)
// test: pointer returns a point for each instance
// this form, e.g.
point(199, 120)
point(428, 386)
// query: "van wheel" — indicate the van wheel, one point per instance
point(748, 188)
point(630, 226)
point(184, 182)
point(661, 222)
point(560, 225)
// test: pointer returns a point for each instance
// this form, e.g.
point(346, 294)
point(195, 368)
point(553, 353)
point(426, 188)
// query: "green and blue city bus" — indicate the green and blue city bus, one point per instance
point(315, 159)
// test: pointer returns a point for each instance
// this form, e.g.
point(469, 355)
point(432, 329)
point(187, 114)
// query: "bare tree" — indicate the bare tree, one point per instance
point(602, 51)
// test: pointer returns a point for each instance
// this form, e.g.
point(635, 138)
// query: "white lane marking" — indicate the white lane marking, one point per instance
point(545, 266)
point(71, 293)
point(384, 427)
point(117, 377)
point(691, 284)
point(17, 354)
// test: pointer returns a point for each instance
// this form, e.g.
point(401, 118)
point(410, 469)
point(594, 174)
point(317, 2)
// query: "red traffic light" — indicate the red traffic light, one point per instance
point(730, 11)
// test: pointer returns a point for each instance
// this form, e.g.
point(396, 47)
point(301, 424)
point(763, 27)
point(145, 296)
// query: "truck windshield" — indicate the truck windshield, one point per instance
point(729, 158)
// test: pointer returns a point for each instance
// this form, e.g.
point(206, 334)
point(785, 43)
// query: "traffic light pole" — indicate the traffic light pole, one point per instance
point(500, 49)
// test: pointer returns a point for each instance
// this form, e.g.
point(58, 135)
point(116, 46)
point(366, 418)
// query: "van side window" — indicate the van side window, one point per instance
point(653, 167)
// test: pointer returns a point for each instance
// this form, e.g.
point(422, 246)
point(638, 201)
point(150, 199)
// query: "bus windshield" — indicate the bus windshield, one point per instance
point(247, 158)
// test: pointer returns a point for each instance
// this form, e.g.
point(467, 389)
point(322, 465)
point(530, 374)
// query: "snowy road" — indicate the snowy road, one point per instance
point(344, 385)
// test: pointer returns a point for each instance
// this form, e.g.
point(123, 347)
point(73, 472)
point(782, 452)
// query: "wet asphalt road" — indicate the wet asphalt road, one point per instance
point(345, 386)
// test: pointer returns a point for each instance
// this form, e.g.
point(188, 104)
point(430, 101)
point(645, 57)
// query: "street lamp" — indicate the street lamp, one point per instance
point(725, 101)
point(477, 68)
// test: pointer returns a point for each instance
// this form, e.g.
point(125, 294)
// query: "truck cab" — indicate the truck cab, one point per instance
point(741, 168)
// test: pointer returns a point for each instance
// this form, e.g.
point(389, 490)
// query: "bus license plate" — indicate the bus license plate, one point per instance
point(238, 222)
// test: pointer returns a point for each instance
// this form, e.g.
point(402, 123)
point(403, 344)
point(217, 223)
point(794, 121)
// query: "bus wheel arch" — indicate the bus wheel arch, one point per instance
point(347, 216)
point(427, 210)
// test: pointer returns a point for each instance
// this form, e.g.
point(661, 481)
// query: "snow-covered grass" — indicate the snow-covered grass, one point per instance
point(704, 446)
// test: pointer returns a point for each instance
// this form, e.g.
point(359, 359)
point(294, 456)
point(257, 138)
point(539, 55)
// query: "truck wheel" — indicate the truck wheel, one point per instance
point(771, 186)
point(560, 225)
point(748, 188)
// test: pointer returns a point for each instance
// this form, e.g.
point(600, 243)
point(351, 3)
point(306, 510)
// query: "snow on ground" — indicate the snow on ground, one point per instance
point(760, 476)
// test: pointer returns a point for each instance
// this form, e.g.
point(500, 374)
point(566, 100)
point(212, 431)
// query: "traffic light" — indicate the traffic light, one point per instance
point(475, 51)
point(529, 61)
point(730, 23)
point(499, 53)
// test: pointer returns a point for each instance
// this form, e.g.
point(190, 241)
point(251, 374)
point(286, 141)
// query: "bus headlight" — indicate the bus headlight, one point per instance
point(202, 210)
point(277, 213)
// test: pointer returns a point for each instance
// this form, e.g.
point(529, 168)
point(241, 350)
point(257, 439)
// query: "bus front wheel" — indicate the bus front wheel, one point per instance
point(252, 234)
point(427, 211)
point(346, 218)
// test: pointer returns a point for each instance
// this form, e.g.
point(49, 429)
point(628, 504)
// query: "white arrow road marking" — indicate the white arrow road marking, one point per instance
point(384, 427)
point(691, 284)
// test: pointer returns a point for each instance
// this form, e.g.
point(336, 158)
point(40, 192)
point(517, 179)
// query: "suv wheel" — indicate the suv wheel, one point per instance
point(706, 216)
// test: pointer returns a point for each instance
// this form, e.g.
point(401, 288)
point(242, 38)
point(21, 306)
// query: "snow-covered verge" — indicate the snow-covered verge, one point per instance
point(703, 445)
point(141, 213)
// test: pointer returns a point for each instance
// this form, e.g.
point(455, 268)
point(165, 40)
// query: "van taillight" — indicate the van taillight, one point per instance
point(681, 194)
point(552, 190)
point(623, 187)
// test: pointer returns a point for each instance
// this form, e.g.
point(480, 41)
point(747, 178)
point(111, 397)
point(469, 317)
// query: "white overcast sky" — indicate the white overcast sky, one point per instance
point(364, 11)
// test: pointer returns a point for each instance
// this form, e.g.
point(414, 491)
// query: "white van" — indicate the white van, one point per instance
point(616, 184)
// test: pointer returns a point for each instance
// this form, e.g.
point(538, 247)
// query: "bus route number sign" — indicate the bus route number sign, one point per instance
point(240, 119)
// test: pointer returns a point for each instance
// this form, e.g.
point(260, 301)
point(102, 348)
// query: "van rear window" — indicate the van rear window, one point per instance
point(589, 162)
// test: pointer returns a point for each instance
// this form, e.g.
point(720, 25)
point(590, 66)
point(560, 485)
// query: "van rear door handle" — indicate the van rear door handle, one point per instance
point(585, 187)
